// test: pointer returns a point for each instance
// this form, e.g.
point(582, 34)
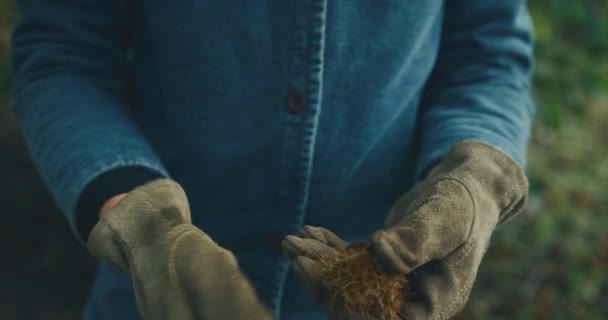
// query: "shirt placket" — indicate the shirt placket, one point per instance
point(302, 108)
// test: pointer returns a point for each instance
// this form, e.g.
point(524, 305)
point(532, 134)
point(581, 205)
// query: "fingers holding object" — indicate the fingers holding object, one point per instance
point(323, 235)
point(294, 247)
point(307, 271)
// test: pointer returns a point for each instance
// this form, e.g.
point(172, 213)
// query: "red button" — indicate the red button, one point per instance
point(296, 102)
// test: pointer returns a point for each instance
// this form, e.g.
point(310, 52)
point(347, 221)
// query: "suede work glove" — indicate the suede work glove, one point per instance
point(304, 250)
point(177, 271)
point(439, 231)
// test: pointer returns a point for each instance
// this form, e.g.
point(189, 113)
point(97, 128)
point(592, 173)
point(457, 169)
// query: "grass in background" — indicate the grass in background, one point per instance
point(551, 263)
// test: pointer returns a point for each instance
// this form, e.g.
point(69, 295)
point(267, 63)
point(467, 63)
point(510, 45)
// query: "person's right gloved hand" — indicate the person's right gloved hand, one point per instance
point(177, 271)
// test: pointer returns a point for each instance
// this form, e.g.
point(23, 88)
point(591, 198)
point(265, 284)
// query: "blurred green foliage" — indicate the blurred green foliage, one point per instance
point(550, 263)
point(7, 16)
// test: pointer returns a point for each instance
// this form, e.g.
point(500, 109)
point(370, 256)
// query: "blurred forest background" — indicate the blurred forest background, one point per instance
point(551, 263)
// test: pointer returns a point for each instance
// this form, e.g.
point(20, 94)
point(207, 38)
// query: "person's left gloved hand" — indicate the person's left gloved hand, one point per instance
point(304, 250)
point(440, 230)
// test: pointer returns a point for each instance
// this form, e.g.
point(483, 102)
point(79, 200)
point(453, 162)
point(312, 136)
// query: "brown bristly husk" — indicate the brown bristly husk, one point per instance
point(357, 280)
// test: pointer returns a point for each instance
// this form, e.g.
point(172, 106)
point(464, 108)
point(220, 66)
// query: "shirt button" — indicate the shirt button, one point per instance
point(275, 240)
point(296, 102)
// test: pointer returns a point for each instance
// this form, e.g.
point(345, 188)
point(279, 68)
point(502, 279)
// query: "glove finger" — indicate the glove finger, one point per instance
point(295, 246)
point(209, 275)
point(433, 225)
point(441, 288)
point(307, 272)
point(323, 235)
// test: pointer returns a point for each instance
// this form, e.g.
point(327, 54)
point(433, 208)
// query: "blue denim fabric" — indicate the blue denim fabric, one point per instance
point(271, 114)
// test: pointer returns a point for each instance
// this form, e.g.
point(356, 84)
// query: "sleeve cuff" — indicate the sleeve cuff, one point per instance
point(101, 188)
point(435, 149)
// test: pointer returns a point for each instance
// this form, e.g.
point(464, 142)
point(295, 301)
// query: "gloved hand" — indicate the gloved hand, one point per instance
point(440, 229)
point(304, 251)
point(177, 271)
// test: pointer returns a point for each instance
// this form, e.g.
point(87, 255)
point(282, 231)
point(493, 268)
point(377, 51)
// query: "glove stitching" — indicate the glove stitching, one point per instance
point(173, 277)
point(429, 186)
point(172, 269)
point(474, 211)
point(123, 248)
point(464, 249)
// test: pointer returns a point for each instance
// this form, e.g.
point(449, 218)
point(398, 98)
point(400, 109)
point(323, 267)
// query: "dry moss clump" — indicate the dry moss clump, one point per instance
point(356, 279)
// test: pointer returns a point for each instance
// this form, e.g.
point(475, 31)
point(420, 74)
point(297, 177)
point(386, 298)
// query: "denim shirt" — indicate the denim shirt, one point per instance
point(270, 114)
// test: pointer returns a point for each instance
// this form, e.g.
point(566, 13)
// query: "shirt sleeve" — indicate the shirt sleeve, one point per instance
point(71, 97)
point(480, 87)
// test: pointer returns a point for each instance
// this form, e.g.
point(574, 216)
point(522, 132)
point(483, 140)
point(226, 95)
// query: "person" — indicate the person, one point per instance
point(404, 124)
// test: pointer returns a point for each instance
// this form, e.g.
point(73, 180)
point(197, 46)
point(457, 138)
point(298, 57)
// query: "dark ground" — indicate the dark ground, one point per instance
point(44, 272)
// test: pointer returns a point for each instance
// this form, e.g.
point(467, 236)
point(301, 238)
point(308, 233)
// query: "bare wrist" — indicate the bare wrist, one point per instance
point(105, 208)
